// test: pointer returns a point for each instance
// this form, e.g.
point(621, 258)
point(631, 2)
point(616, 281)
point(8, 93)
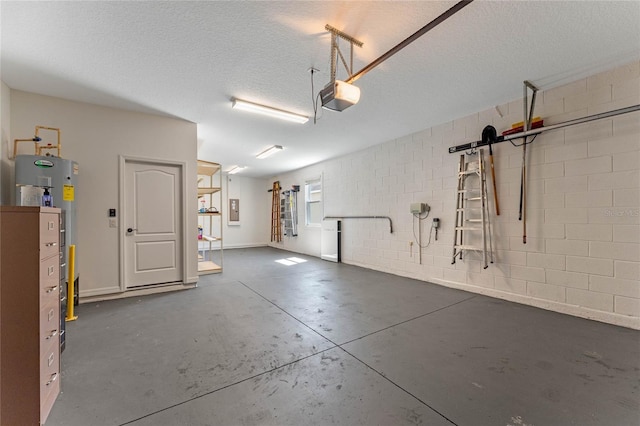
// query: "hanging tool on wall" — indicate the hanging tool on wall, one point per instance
point(508, 136)
point(276, 227)
point(472, 226)
point(489, 136)
point(528, 118)
point(290, 211)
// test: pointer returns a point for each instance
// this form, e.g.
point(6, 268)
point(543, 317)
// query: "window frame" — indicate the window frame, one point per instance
point(308, 203)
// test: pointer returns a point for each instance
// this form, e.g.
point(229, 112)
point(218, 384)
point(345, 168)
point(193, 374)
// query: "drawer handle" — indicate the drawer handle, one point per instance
point(51, 289)
point(51, 244)
point(53, 378)
point(53, 334)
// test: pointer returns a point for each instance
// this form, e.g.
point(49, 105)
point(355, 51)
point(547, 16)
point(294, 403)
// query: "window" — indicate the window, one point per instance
point(313, 202)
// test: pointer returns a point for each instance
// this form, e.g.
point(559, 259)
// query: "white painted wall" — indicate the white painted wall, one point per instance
point(582, 255)
point(95, 136)
point(254, 225)
point(6, 166)
point(308, 239)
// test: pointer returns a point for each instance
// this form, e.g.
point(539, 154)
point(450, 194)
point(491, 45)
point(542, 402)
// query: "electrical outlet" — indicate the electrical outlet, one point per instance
point(113, 223)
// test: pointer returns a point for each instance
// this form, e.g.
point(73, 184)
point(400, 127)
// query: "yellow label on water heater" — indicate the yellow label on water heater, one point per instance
point(68, 193)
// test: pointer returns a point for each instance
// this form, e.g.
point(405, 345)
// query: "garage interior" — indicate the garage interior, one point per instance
point(328, 343)
point(420, 321)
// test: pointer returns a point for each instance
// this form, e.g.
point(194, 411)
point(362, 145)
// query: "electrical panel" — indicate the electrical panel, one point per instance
point(419, 208)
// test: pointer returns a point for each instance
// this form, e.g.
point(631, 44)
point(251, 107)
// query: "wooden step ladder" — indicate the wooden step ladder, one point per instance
point(276, 223)
point(473, 224)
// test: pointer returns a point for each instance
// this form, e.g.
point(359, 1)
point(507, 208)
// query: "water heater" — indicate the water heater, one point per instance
point(60, 176)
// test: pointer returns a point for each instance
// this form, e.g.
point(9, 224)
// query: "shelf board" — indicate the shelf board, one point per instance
point(203, 190)
point(207, 168)
point(209, 214)
point(208, 267)
point(210, 238)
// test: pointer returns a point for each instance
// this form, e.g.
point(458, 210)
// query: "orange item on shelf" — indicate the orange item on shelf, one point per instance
point(519, 127)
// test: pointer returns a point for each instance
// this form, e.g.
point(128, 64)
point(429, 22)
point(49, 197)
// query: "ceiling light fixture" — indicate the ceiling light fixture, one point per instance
point(235, 169)
point(269, 151)
point(268, 111)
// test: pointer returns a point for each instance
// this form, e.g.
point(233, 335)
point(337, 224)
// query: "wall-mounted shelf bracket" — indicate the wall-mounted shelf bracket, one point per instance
point(586, 119)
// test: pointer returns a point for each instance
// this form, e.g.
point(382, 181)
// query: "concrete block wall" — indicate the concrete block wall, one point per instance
point(582, 255)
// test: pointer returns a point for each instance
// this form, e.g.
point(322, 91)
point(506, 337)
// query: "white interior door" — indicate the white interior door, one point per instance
point(152, 223)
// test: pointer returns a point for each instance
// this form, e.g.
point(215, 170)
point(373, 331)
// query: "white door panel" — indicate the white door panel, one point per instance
point(153, 198)
point(155, 255)
point(152, 210)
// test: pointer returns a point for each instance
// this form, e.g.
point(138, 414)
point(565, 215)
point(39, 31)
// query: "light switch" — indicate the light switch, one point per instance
point(113, 223)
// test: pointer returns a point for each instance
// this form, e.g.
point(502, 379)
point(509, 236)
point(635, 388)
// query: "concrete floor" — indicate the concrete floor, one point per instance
point(318, 343)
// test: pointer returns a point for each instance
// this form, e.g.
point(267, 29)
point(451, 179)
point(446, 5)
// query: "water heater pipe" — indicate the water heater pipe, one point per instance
point(49, 146)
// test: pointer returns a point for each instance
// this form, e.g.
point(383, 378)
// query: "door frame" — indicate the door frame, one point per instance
point(122, 163)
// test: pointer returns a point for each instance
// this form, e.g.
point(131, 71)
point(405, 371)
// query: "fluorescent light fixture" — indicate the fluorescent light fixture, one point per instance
point(269, 151)
point(235, 169)
point(339, 95)
point(268, 111)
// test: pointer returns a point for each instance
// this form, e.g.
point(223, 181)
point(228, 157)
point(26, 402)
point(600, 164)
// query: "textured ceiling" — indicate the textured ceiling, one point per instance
point(188, 59)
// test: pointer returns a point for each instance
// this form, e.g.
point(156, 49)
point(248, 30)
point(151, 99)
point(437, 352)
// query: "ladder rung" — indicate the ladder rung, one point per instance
point(468, 202)
point(465, 247)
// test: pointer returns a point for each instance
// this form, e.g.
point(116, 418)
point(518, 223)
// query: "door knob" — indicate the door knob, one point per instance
point(131, 230)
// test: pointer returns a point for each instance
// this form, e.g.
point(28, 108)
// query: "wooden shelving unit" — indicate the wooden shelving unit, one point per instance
point(210, 247)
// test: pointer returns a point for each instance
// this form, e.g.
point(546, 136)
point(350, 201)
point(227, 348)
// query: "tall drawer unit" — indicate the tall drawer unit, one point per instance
point(29, 313)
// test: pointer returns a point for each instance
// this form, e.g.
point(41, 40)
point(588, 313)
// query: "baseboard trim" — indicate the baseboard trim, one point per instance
point(247, 245)
point(116, 293)
point(549, 305)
